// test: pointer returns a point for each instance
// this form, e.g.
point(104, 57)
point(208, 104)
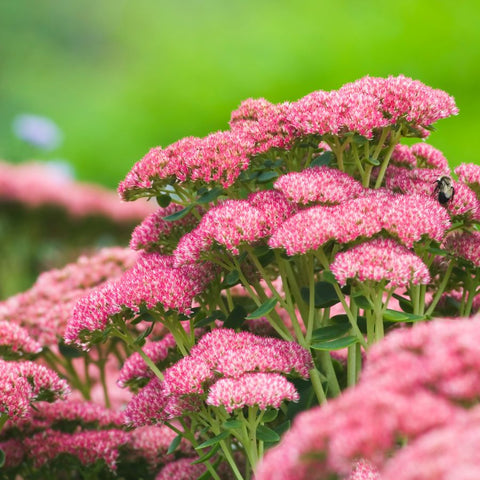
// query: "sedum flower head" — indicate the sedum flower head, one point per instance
point(380, 260)
point(157, 234)
point(320, 185)
point(468, 173)
point(15, 341)
point(252, 389)
point(465, 245)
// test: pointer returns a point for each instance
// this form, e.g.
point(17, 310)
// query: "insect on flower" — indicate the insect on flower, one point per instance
point(444, 189)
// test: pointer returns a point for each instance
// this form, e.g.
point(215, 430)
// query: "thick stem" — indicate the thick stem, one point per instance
point(438, 295)
point(317, 386)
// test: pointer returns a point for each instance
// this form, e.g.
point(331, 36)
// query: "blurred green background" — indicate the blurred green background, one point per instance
point(119, 77)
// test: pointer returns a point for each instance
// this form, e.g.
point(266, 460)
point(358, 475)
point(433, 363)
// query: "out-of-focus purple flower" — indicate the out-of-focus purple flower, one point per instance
point(37, 130)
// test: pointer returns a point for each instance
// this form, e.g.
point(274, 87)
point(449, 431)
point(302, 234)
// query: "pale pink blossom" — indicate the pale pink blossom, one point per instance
point(320, 185)
point(252, 389)
point(234, 222)
point(402, 156)
point(446, 453)
point(35, 185)
point(464, 244)
point(16, 340)
point(182, 469)
point(306, 230)
point(363, 470)
point(188, 376)
point(275, 207)
point(87, 446)
point(464, 203)
point(232, 354)
point(155, 233)
point(364, 422)
point(380, 260)
point(469, 173)
point(218, 158)
point(264, 123)
point(22, 383)
point(154, 282)
point(45, 309)
point(441, 356)
point(428, 156)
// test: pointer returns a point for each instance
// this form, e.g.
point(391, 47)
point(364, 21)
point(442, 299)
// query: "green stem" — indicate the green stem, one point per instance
point(440, 290)
point(103, 381)
point(125, 335)
point(327, 368)
point(317, 386)
point(386, 160)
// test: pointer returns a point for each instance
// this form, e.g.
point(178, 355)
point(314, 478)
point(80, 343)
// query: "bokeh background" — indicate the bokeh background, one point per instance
point(119, 76)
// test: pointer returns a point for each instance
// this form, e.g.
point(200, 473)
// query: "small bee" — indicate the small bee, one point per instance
point(444, 189)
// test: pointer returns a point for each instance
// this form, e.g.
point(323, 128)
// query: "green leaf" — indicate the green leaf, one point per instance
point(164, 200)
point(232, 424)
point(265, 177)
point(329, 277)
point(437, 251)
point(213, 441)
point(405, 303)
point(363, 302)
point(210, 196)
point(373, 161)
point(263, 309)
point(178, 215)
point(235, 317)
point(270, 415)
point(325, 158)
point(266, 434)
point(70, 351)
point(359, 139)
point(140, 340)
point(325, 295)
point(2, 458)
point(335, 344)
point(396, 316)
point(208, 455)
point(329, 333)
point(174, 444)
point(231, 279)
point(216, 315)
point(283, 427)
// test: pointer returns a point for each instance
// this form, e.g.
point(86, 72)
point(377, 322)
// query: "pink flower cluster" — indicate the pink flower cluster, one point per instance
point(155, 233)
point(234, 222)
point(464, 244)
point(219, 158)
point(35, 185)
point(320, 185)
point(468, 173)
point(416, 386)
point(45, 446)
point(364, 107)
point(406, 217)
point(15, 340)
point(378, 260)
point(153, 282)
point(227, 369)
point(45, 309)
point(22, 383)
point(420, 155)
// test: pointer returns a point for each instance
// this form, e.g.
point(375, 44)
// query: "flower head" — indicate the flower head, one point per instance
point(155, 233)
point(320, 185)
point(465, 245)
point(380, 260)
point(261, 389)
